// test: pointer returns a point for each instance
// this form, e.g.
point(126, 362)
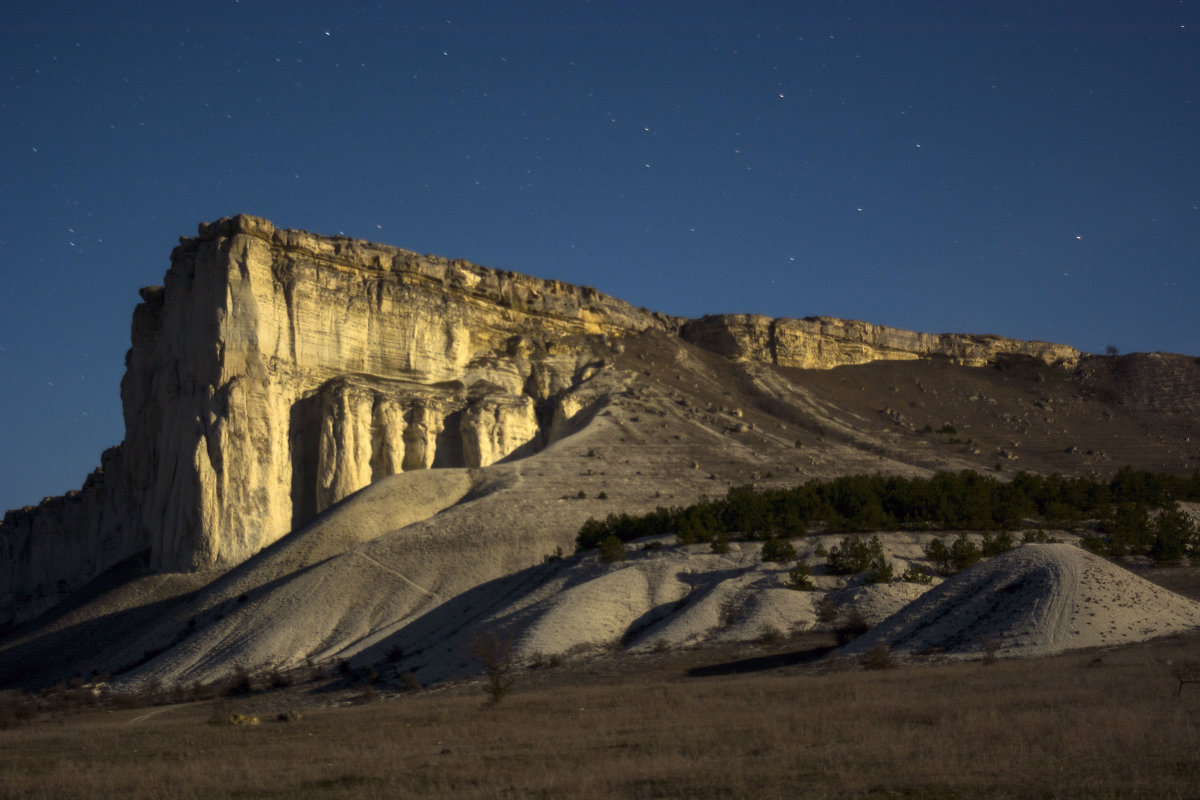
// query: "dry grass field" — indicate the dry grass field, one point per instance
point(1084, 725)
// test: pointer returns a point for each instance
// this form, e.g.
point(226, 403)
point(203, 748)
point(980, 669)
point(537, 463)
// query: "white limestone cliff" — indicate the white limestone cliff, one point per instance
point(276, 372)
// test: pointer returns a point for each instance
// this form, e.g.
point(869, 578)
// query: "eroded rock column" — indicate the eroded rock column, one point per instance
point(425, 422)
point(344, 456)
point(496, 426)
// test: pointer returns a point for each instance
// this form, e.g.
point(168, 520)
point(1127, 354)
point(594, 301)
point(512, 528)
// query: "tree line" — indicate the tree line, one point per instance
point(1131, 513)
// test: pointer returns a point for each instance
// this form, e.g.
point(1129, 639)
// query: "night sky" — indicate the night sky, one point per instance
point(1022, 168)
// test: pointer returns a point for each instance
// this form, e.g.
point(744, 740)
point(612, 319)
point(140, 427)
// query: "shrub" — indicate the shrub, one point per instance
point(826, 610)
point(16, 709)
point(964, 553)
point(800, 577)
point(879, 657)
point(853, 555)
point(591, 533)
point(995, 545)
point(769, 634)
point(991, 649)
point(243, 719)
point(854, 627)
point(916, 574)
point(958, 556)
point(494, 651)
point(778, 550)
point(1095, 543)
point(856, 555)
point(612, 549)
point(882, 570)
point(239, 684)
point(719, 544)
point(1174, 535)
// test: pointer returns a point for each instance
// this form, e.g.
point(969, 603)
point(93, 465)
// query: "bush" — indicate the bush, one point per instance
point(852, 556)
point(612, 549)
point(800, 577)
point(878, 658)
point(1038, 537)
point(239, 684)
point(856, 555)
point(1128, 531)
point(961, 554)
point(916, 574)
point(964, 553)
point(826, 610)
point(995, 545)
point(1095, 543)
point(778, 550)
point(495, 652)
point(16, 709)
point(854, 627)
point(937, 552)
point(1174, 535)
point(882, 571)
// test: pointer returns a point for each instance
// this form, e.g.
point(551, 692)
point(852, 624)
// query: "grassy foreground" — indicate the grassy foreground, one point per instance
point(1085, 725)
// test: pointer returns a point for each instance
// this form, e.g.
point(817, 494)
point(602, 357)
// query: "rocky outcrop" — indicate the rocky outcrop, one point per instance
point(824, 343)
point(276, 372)
point(282, 371)
point(49, 550)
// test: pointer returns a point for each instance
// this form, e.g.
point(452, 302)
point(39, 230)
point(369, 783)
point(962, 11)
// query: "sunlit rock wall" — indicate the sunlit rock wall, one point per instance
point(825, 343)
point(281, 372)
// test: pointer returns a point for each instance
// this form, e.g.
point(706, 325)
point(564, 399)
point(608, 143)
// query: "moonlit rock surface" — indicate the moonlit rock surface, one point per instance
point(825, 342)
point(276, 372)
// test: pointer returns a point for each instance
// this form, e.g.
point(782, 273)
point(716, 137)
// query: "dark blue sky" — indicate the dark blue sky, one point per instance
point(1021, 168)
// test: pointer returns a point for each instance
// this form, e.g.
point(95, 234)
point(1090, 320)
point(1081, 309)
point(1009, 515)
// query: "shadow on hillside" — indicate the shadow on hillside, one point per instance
point(809, 653)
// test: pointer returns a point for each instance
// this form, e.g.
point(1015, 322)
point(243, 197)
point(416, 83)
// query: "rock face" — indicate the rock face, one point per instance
point(276, 372)
point(824, 343)
point(280, 372)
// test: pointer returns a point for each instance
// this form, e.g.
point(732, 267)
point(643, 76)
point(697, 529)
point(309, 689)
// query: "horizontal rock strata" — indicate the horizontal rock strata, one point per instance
point(825, 343)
